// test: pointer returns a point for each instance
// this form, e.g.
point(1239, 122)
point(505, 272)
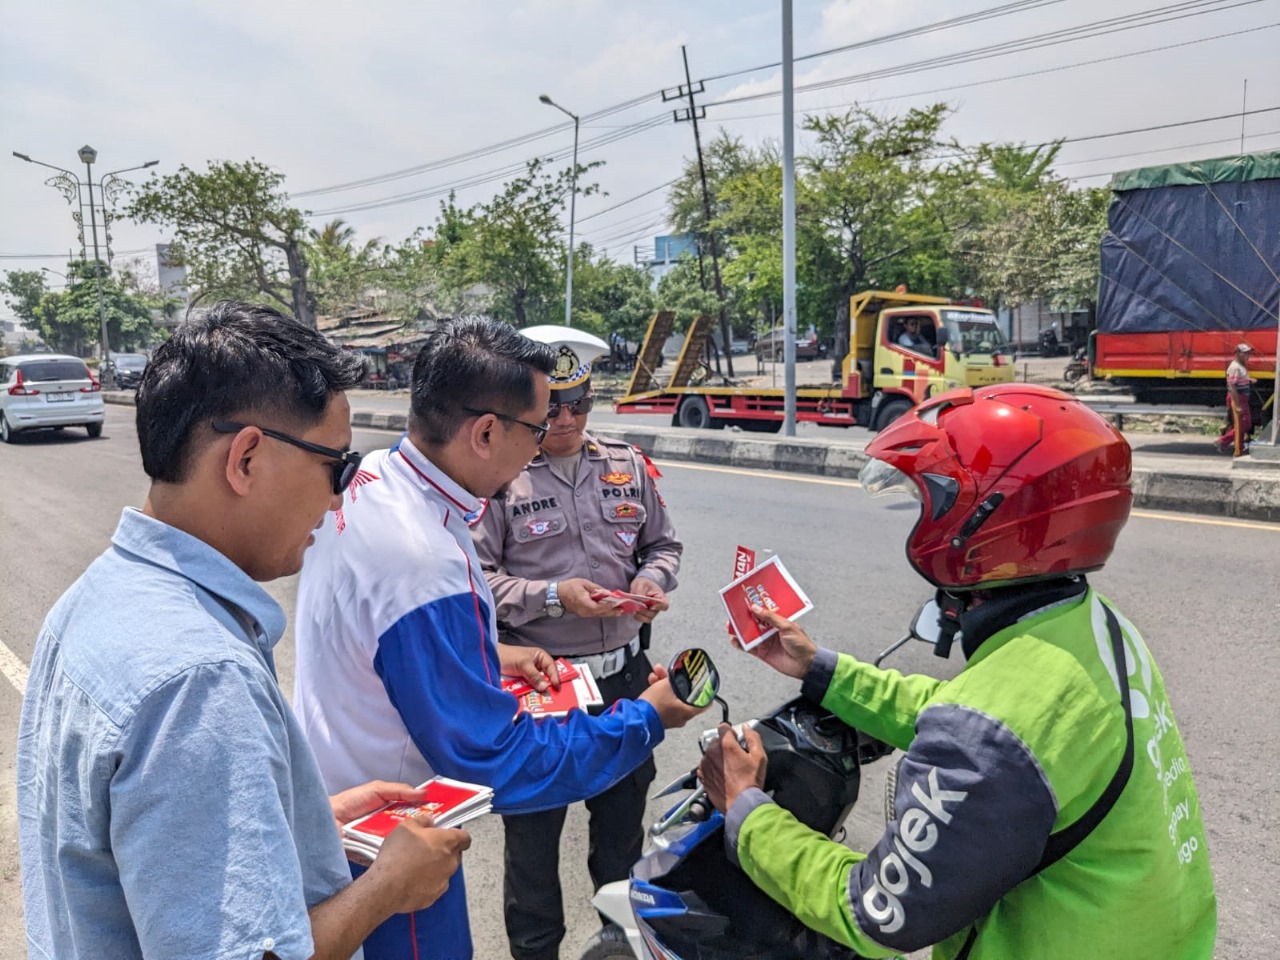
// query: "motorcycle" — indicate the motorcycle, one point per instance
point(685, 900)
point(1078, 367)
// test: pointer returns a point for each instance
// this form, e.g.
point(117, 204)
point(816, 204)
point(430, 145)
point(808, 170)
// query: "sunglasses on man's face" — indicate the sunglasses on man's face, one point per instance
point(577, 407)
point(344, 469)
point(539, 430)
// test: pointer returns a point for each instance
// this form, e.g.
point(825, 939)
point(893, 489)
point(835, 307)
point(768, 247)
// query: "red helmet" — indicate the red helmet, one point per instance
point(1018, 482)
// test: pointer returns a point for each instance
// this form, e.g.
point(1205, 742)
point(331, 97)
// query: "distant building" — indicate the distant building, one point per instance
point(172, 279)
point(663, 254)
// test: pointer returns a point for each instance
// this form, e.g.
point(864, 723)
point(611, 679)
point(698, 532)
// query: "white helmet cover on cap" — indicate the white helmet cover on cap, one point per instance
point(575, 351)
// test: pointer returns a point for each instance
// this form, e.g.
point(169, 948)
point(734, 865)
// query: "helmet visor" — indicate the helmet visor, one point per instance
point(879, 478)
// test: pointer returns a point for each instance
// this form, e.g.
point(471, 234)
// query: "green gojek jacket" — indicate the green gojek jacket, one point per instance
point(1017, 747)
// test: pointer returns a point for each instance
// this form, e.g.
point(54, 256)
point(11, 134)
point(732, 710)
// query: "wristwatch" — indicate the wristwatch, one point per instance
point(555, 608)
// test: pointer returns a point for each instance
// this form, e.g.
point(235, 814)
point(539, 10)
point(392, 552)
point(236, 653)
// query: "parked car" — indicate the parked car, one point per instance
point(48, 391)
point(770, 345)
point(126, 368)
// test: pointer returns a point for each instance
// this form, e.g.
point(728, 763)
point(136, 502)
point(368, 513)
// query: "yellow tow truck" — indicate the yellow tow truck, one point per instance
point(903, 347)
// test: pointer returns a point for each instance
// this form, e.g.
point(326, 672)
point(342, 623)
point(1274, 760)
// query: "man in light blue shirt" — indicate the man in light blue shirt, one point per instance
point(168, 803)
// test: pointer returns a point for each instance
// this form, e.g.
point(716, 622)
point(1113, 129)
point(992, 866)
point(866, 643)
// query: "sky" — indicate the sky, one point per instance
point(332, 92)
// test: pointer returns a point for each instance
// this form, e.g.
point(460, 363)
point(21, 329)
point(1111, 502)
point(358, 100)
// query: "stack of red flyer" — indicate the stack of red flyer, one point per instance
point(577, 691)
point(451, 803)
point(770, 586)
point(626, 602)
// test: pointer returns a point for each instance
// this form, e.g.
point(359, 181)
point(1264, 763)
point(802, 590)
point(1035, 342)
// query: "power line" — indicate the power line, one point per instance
point(1013, 76)
point(479, 152)
point(490, 176)
point(990, 13)
point(1054, 38)
point(535, 135)
point(623, 203)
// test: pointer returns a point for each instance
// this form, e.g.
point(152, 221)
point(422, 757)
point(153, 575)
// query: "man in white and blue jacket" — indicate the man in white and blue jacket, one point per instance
point(398, 660)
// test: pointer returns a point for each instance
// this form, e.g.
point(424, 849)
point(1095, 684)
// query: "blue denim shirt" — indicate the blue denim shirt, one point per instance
point(168, 803)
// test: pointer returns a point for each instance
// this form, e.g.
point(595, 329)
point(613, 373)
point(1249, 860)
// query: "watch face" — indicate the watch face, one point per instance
point(555, 610)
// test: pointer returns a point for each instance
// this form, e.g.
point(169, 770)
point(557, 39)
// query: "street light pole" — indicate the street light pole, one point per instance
point(72, 182)
point(573, 203)
point(88, 155)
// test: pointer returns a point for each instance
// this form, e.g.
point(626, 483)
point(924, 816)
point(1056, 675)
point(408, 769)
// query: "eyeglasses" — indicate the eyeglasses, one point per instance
point(576, 407)
point(344, 471)
point(539, 432)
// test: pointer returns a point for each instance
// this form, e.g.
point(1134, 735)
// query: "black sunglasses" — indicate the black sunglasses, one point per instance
point(576, 407)
point(539, 432)
point(344, 471)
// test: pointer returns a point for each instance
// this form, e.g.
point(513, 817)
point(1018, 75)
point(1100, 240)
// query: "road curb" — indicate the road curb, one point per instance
point(1238, 494)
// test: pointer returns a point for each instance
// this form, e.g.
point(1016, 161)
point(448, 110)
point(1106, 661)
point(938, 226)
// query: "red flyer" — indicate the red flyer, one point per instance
point(629, 602)
point(743, 560)
point(519, 686)
point(770, 586)
point(576, 694)
point(450, 803)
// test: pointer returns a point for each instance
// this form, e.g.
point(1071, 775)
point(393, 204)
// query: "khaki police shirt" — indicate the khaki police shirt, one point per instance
point(608, 527)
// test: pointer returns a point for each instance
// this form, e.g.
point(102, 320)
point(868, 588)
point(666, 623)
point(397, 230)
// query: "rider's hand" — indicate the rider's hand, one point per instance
point(414, 865)
point(789, 651)
point(726, 769)
point(532, 663)
point(673, 711)
point(647, 588)
point(575, 596)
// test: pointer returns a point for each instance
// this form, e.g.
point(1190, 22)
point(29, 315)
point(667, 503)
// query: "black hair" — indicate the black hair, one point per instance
point(478, 363)
point(232, 360)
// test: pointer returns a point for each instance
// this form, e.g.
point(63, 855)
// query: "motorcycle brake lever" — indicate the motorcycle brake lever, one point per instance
point(686, 782)
point(678, 813)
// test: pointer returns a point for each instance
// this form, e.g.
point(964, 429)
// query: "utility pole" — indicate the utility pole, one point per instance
point(788, 226)
point(693, 113)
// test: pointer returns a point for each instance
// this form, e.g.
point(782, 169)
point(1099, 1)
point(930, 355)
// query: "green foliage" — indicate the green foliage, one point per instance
point(339, 271)
point(680, 291)
point(69, 320)
point(235, 232)
point(509, 246)
point(23, 290)
point(610, 297)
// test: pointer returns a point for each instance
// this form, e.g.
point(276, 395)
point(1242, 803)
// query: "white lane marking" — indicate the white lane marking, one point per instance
point(13, 668)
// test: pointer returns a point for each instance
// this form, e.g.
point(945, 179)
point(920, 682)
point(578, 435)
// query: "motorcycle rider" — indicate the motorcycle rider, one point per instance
point(1045, 807)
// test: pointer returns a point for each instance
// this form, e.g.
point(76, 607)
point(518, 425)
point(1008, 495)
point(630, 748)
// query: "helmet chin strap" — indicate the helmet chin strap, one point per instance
point(950, 606)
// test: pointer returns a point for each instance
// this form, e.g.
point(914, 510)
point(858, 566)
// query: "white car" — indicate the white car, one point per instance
point(48, 390)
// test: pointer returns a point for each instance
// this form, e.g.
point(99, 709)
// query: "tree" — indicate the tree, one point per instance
point(610, 297)
point(235, 232)
point(69, 320)
point(878, 199)
point(680, 290)
point(340, 271)
point(23, 290)
point(510, 245)
point(1043, 246)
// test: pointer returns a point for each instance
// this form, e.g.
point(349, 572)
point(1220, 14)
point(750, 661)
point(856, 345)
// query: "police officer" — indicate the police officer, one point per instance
point(582, 519)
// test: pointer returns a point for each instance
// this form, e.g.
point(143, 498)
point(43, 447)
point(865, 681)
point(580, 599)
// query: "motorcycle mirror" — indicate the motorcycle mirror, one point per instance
point(695, 679)
point(927, 625)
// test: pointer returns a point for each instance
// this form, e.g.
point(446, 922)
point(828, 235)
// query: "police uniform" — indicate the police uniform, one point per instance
point(601, 518)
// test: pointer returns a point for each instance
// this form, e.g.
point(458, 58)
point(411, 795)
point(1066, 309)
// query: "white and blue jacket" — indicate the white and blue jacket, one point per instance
point(398, 674)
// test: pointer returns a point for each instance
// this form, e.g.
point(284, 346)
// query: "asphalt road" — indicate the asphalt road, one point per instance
point(1203, 591)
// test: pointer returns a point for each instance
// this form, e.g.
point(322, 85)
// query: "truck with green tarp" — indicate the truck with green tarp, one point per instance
point(1190, 269)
